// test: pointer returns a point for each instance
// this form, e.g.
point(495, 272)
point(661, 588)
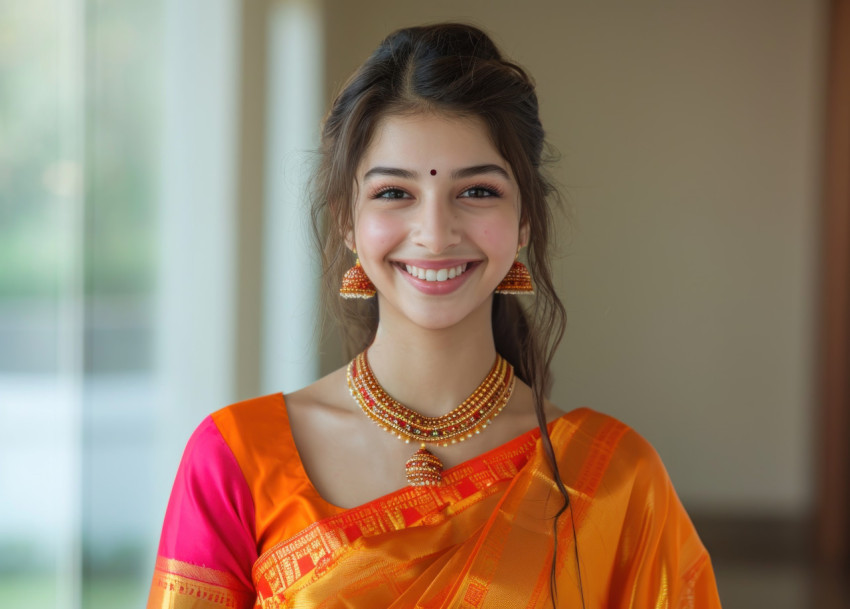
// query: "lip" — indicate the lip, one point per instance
point(436, 288)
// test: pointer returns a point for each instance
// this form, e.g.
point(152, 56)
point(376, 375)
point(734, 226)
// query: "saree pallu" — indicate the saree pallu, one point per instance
point(486, 538)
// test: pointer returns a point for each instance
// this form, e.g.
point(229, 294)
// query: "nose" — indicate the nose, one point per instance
point(437, 225)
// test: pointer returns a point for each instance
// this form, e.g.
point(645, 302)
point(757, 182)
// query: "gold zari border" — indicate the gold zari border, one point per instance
point(180, 585)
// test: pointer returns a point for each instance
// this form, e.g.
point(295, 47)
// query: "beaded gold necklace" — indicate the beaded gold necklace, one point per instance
point(468, 419)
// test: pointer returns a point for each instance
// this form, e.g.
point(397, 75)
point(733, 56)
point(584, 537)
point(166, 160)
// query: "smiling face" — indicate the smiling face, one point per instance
point(436, 219)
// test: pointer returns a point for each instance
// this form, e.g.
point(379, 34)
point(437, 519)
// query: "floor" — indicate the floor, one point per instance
point(752, 586)
point(763, 562)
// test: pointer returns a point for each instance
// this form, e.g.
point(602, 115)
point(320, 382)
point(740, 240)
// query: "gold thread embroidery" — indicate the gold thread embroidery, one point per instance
point(179, 589)
point(207, 575)
point(286, 562)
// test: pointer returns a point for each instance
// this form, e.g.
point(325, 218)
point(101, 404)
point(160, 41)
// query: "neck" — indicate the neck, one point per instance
point(432, 371)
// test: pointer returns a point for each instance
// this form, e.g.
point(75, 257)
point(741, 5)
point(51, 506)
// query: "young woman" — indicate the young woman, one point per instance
point(404, 479)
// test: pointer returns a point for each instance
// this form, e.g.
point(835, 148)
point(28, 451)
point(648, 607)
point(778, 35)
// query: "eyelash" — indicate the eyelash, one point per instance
point(379, 194)
point(491, 190)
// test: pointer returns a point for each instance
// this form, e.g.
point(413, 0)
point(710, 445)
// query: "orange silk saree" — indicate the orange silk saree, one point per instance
point(245, 528)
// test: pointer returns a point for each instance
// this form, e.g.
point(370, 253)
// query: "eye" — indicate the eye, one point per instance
point(480, 192)
point(390, 193)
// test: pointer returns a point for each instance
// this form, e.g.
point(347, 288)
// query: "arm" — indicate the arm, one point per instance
point(208, 543)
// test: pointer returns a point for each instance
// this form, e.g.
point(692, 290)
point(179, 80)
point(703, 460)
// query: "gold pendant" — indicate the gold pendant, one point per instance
point(424, 469)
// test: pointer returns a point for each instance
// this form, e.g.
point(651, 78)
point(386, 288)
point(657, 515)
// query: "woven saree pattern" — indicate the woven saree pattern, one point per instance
point(313, 549)
point(246, 529)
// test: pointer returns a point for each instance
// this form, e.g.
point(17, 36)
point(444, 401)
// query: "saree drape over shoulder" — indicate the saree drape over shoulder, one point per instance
point(245, 528)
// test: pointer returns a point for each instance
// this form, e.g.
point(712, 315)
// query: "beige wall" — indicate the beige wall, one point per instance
point(689, 156)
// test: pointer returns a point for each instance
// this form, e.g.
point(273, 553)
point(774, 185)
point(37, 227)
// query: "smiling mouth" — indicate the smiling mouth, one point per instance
point(436, 274)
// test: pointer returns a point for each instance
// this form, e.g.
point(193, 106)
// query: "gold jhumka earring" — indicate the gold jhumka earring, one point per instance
point(355, 283)
point(517, 281)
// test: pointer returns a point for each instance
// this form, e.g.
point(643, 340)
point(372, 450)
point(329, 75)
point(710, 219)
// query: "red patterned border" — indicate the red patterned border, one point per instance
point(286, 562)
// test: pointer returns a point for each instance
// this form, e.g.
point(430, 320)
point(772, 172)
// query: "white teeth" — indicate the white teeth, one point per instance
point(435, 274)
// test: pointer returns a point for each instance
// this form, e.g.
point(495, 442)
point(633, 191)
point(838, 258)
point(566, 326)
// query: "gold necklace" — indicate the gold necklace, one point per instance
point(469, 418)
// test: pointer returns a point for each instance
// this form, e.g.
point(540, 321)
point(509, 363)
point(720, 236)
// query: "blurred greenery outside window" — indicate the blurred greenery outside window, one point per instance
point(119, 121)
point(121, 104)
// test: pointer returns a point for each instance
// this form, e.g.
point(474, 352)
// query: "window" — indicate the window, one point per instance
point(119, 212)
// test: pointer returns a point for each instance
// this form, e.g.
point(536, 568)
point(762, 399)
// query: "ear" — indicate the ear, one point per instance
point(335, 215)
point(524, 234)
point(349, 239)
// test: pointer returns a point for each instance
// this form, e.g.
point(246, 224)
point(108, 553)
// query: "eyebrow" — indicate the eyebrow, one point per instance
point(476, 170)
point(458, 174)
point(390, 171)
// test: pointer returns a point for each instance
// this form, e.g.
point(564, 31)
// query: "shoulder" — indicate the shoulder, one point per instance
point(235, 444)
point(209, 456)
point(590, 425)
point(253, 424)
point(624, 489)
point(205, 445)
point(250, 413)
point(600, 428)
point(258, 431)
point(620, 472)
point(605, 444)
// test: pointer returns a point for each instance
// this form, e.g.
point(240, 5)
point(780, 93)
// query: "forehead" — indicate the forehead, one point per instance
point(428, 140)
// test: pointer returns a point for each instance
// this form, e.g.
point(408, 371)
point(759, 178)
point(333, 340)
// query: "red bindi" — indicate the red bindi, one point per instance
point(433, 172)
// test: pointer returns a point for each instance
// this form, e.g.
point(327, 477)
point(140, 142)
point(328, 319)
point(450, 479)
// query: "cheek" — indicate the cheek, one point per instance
point(498, 235)
point(377, 234)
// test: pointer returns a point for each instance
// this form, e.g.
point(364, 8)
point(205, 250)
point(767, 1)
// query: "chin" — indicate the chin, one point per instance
point(436, 322)
point(447, 317)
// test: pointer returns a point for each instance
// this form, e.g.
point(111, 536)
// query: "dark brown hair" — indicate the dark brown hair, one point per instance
point(455, 69)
